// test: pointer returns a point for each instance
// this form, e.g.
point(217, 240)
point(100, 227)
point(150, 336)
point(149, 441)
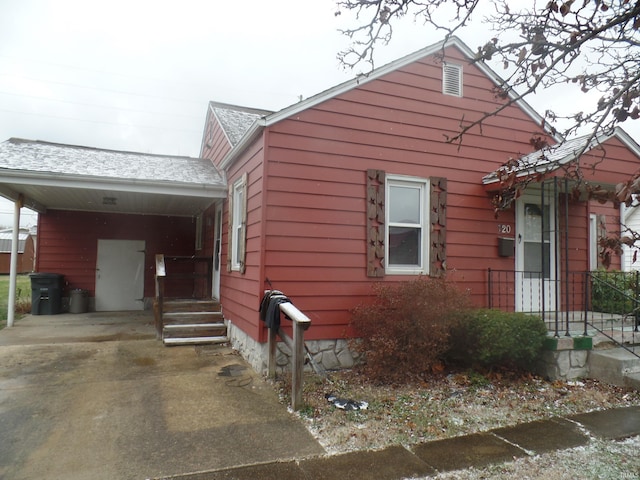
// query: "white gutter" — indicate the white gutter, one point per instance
point(166, 187)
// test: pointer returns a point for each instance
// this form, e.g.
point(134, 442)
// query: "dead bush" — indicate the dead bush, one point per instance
point(404, 332)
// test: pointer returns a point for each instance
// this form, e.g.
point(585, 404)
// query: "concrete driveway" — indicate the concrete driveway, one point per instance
point(95, 396)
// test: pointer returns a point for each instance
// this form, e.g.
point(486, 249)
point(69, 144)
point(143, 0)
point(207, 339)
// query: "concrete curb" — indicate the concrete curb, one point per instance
point(479, 450)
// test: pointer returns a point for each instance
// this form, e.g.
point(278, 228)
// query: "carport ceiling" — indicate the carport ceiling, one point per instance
point(66, 177)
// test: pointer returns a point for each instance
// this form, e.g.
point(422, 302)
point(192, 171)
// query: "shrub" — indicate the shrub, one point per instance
point(614, 291)
point(493, 338)
point(404, 332)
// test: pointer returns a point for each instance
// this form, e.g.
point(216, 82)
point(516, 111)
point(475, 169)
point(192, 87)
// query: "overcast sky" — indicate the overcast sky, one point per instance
point(137, 75)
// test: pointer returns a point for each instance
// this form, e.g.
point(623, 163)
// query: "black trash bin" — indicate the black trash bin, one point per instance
point(46, 293)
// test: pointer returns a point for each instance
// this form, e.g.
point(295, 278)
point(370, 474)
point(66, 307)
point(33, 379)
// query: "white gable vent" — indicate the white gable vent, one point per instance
point(452, 79)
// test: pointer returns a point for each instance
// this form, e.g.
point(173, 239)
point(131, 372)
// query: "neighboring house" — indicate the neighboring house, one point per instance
point(26, 250)
point(324, 198)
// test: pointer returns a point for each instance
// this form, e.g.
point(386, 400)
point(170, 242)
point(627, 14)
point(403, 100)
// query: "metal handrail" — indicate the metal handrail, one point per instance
point(633, 298)
point(581, 305)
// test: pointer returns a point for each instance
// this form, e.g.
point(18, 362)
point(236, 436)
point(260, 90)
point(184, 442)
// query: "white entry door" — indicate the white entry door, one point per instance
point(120, 275)
point(535, 255)
point(217, 245)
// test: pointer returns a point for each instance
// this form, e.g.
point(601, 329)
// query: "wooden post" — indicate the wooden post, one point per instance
point(300, 323)
point(273, 350)
point(161, 273)
point(298, 365)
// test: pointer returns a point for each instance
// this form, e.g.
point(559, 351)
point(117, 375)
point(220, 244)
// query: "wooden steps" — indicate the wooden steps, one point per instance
point(190, 322)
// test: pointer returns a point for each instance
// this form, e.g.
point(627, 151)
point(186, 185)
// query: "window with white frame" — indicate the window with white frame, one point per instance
point(407, 226)
point(238, 224)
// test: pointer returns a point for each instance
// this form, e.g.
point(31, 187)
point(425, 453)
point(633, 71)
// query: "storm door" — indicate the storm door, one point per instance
point(535, 254)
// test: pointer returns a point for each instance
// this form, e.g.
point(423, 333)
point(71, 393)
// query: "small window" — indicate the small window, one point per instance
point(407, 226)
point(238, 225)
point(452, 79)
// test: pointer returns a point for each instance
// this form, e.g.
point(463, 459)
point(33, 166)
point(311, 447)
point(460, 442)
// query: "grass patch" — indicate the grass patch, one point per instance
point(23, 296)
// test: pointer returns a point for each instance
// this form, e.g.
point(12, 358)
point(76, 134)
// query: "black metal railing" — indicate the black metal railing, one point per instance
point(579, 303)
point(616, 296)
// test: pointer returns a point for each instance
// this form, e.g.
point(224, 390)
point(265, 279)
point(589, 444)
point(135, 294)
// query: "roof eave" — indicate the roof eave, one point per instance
point(619, 133)
point(402, 62)
point(20, 177)
point(628, 141)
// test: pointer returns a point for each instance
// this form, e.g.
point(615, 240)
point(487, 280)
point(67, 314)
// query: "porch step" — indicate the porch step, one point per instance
point(194, 340)
point(185, 317)
point(190, 305)
point(192, 322)
point(187, 330)
point(616, 366)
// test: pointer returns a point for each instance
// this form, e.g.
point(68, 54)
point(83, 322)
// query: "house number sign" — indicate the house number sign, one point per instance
point(504, 229)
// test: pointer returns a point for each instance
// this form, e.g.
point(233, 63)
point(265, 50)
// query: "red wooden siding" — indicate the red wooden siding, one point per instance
point(307, 191)
point(315, 248)
point(240, 294)
point(608, 165)
point(612, 224)
point(68, 243)
point(576, 256)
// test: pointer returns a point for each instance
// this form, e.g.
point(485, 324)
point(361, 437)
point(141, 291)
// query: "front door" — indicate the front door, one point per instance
point(120, 275)
point(535, 254)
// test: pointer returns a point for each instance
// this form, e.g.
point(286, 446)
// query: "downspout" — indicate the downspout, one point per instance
point(17, 205)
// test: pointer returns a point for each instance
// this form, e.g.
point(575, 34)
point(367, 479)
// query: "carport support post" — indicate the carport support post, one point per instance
point(11, 306)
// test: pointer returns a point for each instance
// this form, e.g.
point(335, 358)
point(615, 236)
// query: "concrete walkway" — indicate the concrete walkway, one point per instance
point(95, 396)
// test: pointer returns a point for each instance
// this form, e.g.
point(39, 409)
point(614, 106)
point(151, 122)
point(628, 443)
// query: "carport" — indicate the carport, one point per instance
point(45, 176)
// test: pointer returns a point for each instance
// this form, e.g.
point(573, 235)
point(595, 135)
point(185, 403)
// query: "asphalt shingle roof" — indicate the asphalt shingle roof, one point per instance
point(549, 158)
point(235, 121)
point(57, 159)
